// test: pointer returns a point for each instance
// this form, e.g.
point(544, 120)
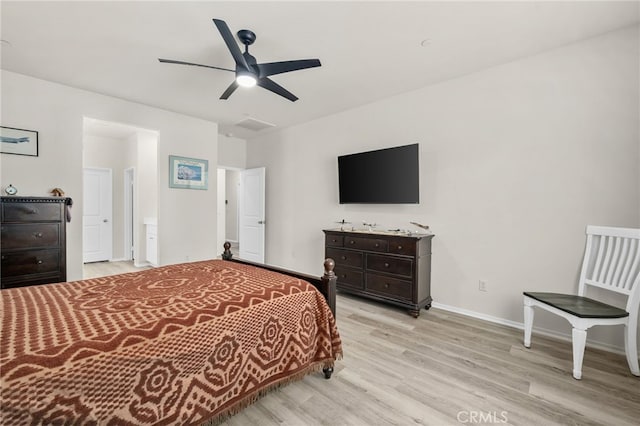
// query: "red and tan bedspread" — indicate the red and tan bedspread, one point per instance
point(180, 344)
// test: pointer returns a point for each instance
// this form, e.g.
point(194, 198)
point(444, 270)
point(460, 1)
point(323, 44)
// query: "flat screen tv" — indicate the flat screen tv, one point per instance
point(383, 176)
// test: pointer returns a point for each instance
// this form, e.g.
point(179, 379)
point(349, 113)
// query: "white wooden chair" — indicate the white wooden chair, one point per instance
point(611, 262)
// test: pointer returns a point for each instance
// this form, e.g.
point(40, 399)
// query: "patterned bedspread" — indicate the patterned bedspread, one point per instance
point(179, 344)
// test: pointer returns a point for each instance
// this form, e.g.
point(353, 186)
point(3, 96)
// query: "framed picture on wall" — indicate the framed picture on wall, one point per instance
point(188, 173)
point(18, 141)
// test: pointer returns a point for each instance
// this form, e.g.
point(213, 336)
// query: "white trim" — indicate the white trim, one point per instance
point(520, 326)
point(129, 207)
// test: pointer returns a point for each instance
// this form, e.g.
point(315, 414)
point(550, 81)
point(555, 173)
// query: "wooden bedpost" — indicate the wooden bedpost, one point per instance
point(227, 255)
point(329, 280)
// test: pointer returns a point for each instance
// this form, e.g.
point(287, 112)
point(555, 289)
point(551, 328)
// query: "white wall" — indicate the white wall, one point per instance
point(186, 231)
point(146, 194)
point(232, 152)
point(515, 161)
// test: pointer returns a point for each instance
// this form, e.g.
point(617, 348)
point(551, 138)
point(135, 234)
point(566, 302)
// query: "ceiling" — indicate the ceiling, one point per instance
point(369, 50)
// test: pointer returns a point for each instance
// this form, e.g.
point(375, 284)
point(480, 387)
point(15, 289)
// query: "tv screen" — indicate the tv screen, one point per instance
point(384, 176)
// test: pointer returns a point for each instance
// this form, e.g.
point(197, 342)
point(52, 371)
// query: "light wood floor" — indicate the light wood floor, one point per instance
point(103, 269)
point(448, 369)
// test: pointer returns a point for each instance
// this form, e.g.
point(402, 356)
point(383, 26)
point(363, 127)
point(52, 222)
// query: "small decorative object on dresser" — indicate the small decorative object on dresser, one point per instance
point(57, 192)
point(11, 190)
point(33, 240)
point(392, 267)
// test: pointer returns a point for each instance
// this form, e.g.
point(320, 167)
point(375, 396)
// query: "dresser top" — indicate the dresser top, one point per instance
point(380, 232)
point(23, 199)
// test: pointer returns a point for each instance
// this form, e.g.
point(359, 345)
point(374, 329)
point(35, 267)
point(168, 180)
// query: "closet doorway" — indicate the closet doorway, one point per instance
point(131, 153)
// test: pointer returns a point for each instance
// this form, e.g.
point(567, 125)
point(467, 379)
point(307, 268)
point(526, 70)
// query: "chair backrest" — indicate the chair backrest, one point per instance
point(612, 261)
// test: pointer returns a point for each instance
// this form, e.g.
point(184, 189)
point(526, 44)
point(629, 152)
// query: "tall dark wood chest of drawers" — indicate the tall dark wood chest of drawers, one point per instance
point(33, 240)
point(392, 268)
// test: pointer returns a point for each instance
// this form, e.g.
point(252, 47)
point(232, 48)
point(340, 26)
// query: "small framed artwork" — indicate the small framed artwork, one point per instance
point(18, 141)
point(188, 173)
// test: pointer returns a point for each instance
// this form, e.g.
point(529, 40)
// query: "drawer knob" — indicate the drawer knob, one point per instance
point(38, 234)
point(334, 240)
point(399, 247)
point(386, 285)
point(39, 262)
point(352, 242)
point(343, 257)
point(33, 211)
point(386, 265)
point(377, 245)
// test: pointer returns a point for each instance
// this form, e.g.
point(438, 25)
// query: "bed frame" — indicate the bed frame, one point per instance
point(326, 284)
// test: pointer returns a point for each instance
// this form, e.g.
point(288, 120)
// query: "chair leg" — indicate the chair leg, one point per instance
point(579, 338)
point(631, 348)
point(528, 324)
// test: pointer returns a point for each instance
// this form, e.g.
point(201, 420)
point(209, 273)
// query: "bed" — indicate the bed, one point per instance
point(182, 344)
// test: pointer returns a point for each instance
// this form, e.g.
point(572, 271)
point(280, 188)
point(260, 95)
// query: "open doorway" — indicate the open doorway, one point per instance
point(241, 212)
point(228, 187)
point(131, 154)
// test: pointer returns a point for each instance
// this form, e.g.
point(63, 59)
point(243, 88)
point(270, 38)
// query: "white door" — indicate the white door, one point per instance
point(252, 217)
point(97, 211)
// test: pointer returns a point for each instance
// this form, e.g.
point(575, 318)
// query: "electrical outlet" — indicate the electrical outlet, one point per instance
point(482, 285)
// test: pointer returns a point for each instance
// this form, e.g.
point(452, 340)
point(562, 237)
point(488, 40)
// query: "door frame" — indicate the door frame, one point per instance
point(129, 212)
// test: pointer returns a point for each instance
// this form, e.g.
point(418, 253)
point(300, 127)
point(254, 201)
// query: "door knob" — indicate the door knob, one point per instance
point(105, 220)
point(261, 222)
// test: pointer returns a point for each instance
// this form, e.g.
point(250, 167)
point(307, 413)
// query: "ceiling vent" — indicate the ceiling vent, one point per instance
point(253, 124)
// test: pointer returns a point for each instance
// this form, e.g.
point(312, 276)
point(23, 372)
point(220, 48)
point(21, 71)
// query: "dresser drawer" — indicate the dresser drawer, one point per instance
point(30, 262)
point(349, 277)
point(345, 257)
point(29, 235)
point(402, 246)
point(389, 287)
point(331, 240)
point(29, 212)
point(370, 244)
point(390, 264)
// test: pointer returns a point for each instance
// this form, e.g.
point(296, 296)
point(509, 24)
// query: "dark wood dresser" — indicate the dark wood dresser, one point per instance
point(393, 268)
point(33, 240)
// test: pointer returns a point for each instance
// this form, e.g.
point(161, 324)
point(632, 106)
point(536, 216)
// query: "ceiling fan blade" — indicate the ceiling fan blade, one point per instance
point(232, 88)
point(271, 85)
point(171, 61)
point(231, 43)
point(272, 68)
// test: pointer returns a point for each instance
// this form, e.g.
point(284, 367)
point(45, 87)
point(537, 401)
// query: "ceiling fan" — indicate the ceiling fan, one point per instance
point(248, 72)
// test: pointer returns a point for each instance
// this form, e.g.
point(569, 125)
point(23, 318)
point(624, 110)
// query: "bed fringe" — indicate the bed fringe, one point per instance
point(250, 399)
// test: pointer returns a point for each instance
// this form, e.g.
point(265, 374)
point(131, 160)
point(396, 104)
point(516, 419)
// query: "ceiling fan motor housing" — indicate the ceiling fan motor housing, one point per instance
point(247, 37)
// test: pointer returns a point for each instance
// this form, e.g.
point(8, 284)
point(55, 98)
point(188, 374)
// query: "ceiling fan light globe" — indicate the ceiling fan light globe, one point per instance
point(246, 80)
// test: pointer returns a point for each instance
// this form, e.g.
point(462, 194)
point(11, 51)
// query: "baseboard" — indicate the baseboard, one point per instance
point(143, 264)
point(120, 259)
point(520, 326)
